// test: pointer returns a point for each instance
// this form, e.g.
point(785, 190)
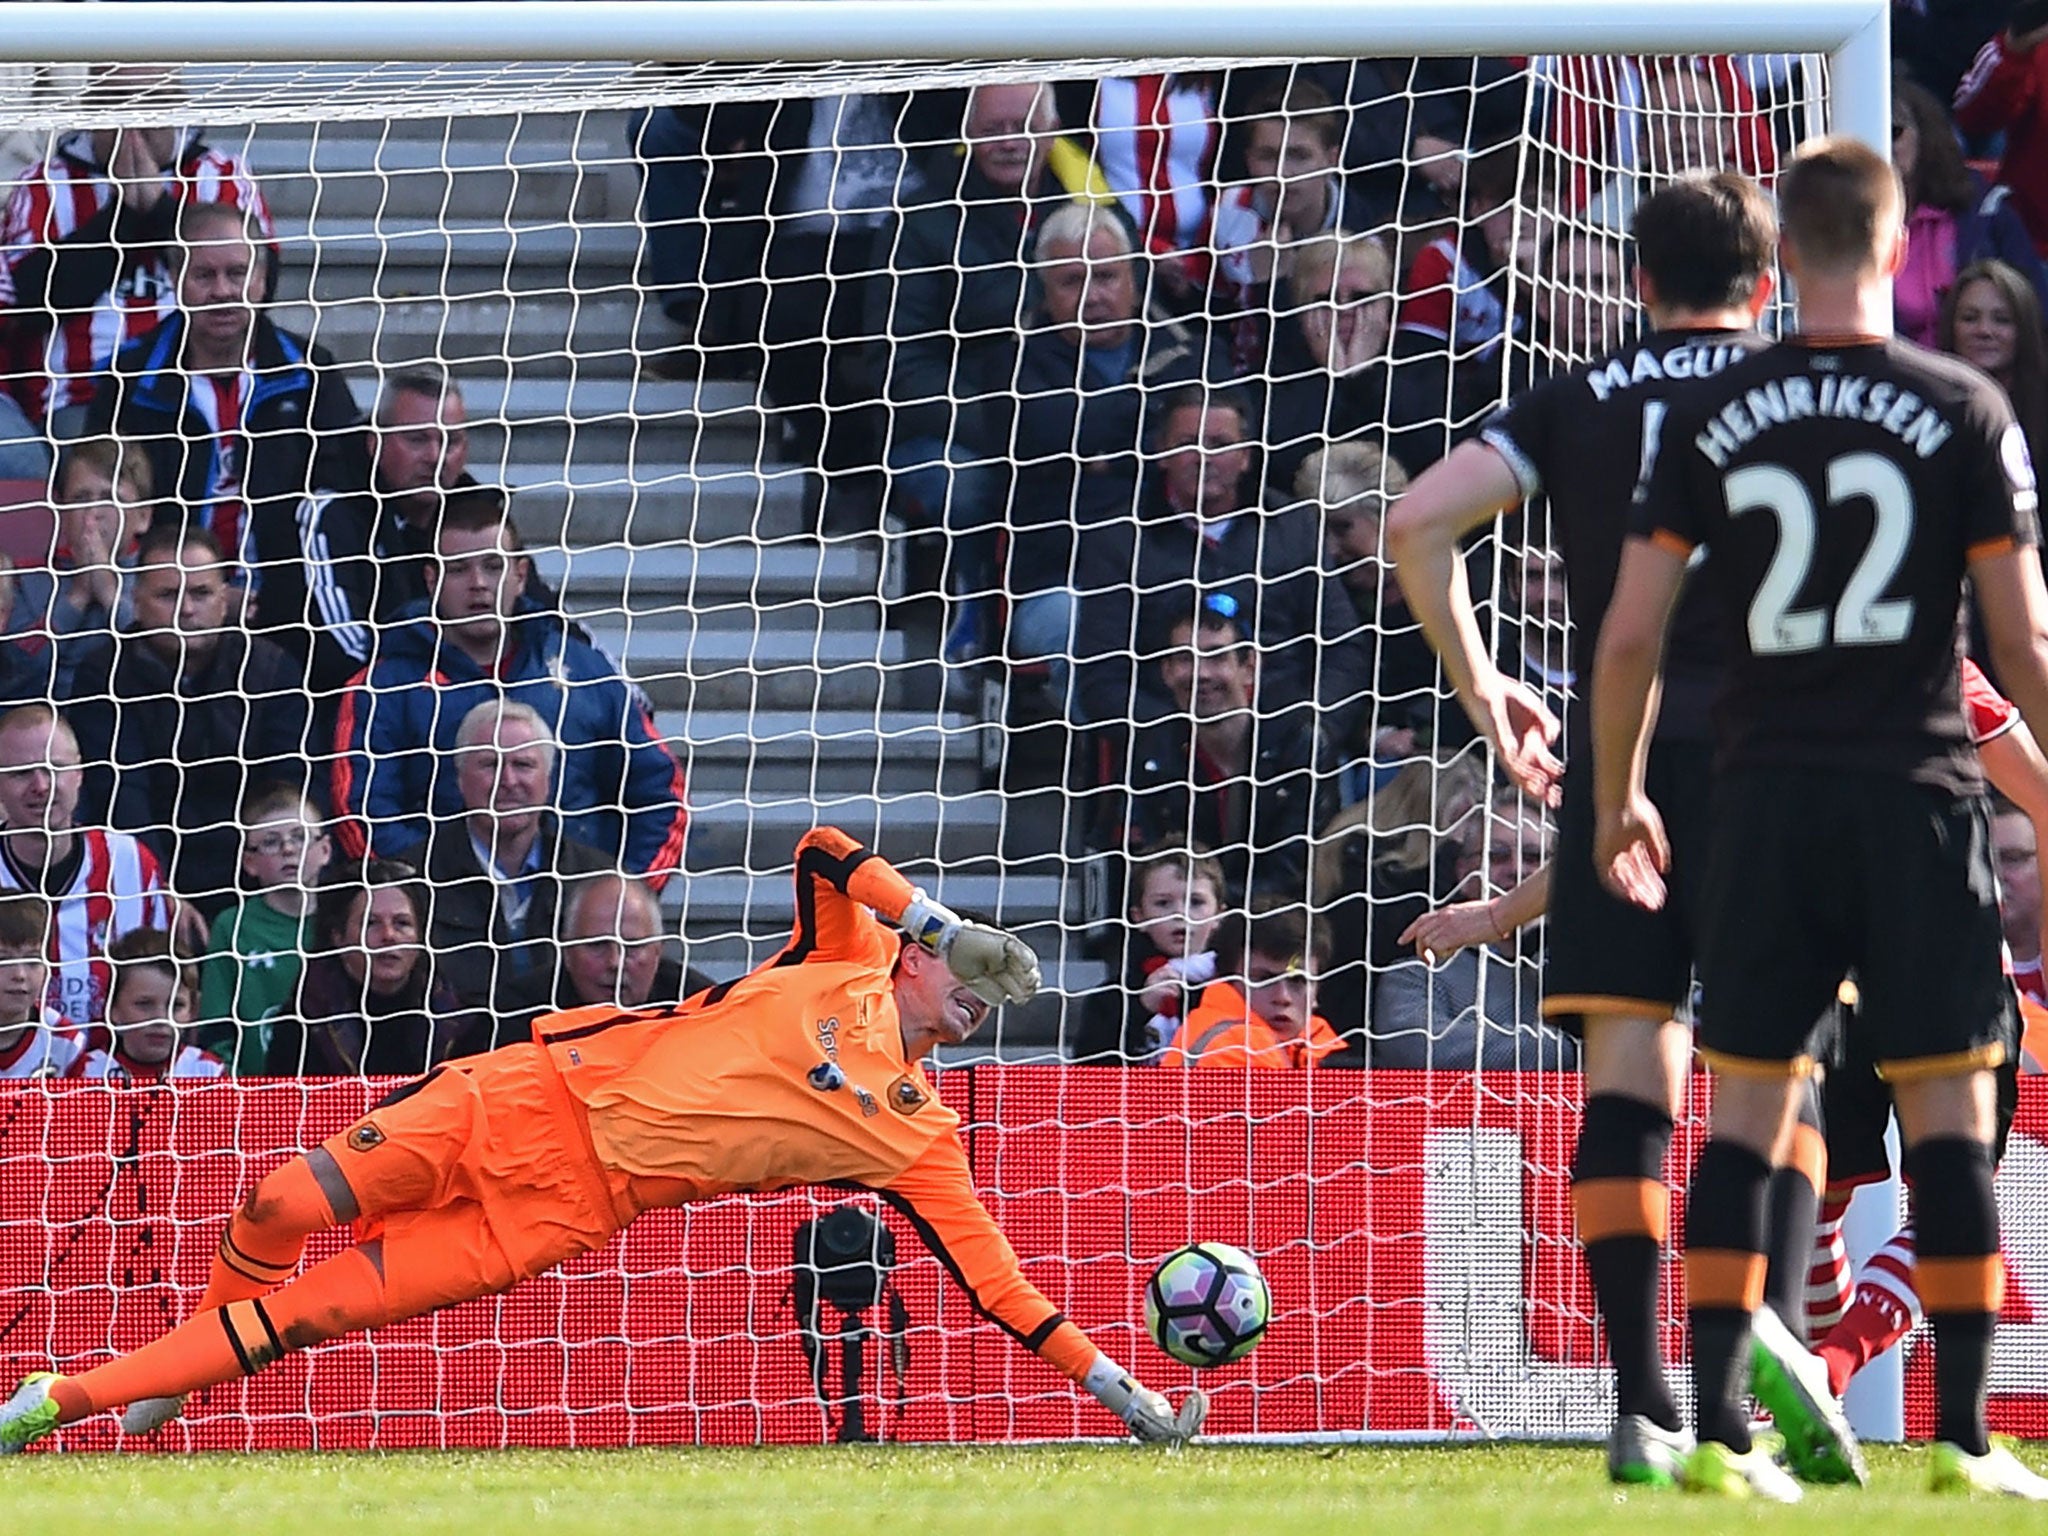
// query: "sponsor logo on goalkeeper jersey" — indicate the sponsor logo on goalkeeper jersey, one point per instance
point(868, 1107)
point(826, 1077)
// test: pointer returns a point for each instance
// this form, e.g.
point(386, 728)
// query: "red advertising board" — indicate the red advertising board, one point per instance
point(1415, 1229)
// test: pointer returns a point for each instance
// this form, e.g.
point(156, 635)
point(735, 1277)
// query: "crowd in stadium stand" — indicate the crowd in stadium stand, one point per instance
point(305, 769)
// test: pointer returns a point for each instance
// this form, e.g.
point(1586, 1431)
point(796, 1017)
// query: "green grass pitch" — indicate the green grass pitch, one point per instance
point(1092, 1491)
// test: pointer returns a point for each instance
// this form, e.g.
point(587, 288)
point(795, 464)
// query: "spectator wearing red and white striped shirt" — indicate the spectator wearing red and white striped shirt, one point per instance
point(86, 242)
point(1293, 147)
point(1156, 139)
point(240, 418)
point(100, 884)
point(34, 1041)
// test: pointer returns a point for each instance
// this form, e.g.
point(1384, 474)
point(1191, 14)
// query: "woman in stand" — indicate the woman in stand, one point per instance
point(1954, 218)
point(1991, 318)
point(368, 1003)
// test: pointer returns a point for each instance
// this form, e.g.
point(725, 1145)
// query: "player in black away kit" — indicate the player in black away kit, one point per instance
point(1614, 972)
point(1843, 484)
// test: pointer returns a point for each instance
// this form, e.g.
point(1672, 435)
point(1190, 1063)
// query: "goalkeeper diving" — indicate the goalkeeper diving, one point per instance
point(494, 1168)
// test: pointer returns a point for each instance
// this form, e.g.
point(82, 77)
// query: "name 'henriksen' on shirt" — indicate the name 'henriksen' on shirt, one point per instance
point(1852, 397)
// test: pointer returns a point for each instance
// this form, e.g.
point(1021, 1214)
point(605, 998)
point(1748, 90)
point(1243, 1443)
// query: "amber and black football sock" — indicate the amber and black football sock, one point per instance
point(1623, 1210)
point(1724, 1280)
point(1960, 1278)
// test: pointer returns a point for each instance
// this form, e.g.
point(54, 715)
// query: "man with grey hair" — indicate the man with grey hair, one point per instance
point(362, 545)
point(612, 949)
point(495, 874)
point(1091, 368)
point(956, 285)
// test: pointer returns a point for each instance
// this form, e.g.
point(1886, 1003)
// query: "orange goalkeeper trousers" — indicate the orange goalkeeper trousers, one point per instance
point(461, 1186)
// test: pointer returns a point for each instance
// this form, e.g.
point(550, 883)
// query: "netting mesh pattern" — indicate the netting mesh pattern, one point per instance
point(791, 445)
point(789, 411)
point(1416, 1231)
point(59, 96)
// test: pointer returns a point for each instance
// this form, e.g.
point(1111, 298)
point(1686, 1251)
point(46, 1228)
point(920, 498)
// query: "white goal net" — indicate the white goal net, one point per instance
point(575, 481)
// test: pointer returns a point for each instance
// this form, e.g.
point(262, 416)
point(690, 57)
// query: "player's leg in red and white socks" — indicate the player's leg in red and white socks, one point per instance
point(1829, 1282)
point(1885, 1308)
point(1634, 1068)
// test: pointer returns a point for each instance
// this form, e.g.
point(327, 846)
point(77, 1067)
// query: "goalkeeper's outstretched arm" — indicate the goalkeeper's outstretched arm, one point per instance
point(936, 1194)
point(839, 884)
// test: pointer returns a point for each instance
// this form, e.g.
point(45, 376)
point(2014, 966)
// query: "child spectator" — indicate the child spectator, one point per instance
point(145, 1014)
point(1261, 1012)
point(35, 1040)
point(257, 948)
point(103, 506)
point(1176, 903)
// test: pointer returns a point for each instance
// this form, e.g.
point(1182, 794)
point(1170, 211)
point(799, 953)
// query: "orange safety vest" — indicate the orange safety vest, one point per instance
point(1223, 1031)
point(2033, 1035)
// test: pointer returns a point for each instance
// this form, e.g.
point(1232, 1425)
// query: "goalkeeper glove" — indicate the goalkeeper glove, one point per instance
point(1148, 1415)
point(995, 966)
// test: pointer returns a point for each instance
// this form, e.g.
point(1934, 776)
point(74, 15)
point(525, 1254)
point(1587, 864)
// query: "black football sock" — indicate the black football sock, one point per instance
point(1724, 1281)
point(1794, 1214)
point(1960, 1278)
point(1623, 1211)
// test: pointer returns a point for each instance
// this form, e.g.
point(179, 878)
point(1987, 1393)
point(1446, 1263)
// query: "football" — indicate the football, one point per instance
point(1207, 1304)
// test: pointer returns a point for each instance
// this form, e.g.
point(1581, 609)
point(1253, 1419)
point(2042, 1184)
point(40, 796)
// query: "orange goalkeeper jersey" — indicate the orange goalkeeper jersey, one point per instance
point(795, 1074)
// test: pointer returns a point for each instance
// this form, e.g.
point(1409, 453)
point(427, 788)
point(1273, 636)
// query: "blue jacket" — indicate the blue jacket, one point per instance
point(394, 745)
point(301, 432)
point(1992, 227)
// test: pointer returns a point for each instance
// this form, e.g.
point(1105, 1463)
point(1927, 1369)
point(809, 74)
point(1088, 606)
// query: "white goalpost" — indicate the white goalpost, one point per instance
point(706, 294)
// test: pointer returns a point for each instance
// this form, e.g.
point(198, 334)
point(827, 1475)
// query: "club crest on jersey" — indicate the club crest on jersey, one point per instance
point(826, 1077)
point(905, 1097)
point(365, 1137)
